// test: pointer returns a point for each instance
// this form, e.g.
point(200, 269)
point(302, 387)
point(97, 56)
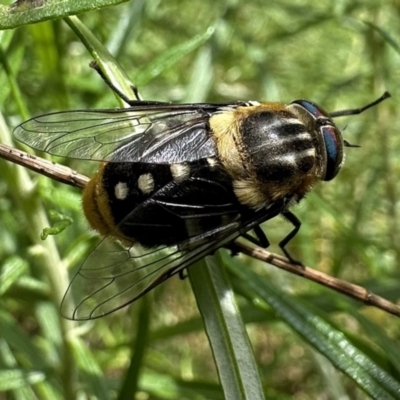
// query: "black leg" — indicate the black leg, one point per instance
point(263, 240)
point(260, 240)
point(297, 224)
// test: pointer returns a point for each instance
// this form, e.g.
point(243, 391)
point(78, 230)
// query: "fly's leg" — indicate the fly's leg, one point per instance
point(260, 240)
point(283, 243)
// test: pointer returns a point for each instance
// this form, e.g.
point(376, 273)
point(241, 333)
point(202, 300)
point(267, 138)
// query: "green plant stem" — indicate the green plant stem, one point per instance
point(22, 189)
point(226, 332)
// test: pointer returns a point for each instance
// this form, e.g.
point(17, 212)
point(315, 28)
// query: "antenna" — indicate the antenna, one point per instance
point(356, 111)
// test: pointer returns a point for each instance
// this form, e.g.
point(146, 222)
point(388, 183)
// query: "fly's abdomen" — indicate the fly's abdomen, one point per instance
point(160, 204)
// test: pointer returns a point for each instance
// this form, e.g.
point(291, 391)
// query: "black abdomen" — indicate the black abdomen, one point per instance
point(157, 204)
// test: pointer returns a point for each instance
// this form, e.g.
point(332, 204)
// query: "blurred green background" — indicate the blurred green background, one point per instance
point(340, 55)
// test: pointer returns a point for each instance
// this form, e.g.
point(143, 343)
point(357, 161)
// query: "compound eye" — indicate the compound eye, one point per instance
point(334, 150)
point(314, 110)
point(328, 136)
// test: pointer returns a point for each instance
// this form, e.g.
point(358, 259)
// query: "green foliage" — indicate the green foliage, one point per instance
point(60, 222)
point(340, 55)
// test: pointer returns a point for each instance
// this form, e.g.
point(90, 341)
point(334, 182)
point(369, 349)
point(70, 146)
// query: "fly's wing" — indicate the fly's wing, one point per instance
point(112, 277)
point(149, 133)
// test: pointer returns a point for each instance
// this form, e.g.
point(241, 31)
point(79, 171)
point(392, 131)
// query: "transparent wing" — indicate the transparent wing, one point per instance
point(152, 133)
point(112, 277)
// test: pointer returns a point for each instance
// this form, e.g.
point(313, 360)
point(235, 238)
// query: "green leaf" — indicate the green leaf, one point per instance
point(139, 345)
point(166, 386)
point(12, 269)
point(16, 378)
point(30, 12)
point(385, 35)
point(226, 332)
point(19, 341)
point(169, 58)
point(60, 223)
point(201, 77)
point(90, 369)
point(107, 64)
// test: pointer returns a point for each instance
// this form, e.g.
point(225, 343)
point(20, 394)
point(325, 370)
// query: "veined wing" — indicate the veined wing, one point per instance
point(113, 277)
point(146, 132)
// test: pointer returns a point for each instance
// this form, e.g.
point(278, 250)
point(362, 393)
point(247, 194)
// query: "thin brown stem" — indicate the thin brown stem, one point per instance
point(50, 169)
point(349, 289)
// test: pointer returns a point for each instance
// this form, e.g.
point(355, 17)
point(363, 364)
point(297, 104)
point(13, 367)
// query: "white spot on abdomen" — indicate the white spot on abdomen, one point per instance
point(121, 191)
point(180, 172)
point(146, 183)
point(212, 162)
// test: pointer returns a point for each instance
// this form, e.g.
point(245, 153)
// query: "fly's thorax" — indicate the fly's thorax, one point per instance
point(267, 150)
point(225, 129)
